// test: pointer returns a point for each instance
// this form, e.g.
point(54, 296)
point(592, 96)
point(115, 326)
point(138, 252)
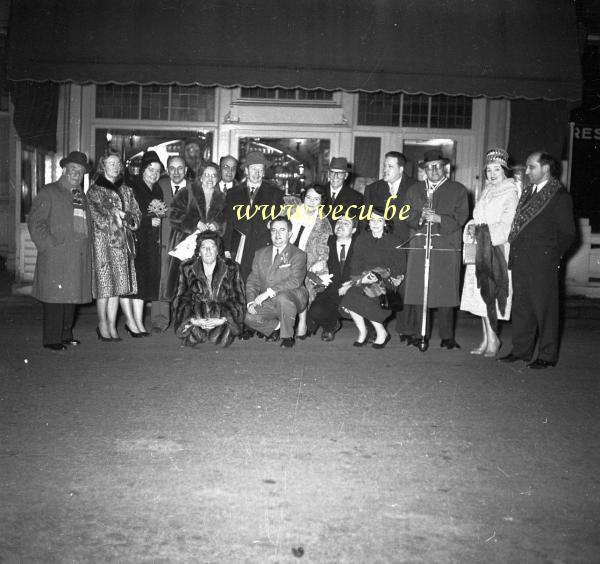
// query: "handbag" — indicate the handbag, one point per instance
point(391, 300)
point(469, 253)
point(130, 242)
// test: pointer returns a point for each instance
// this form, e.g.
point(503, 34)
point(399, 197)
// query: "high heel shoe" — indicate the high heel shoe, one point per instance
point(492, 351)
point(102, 337)
point(480, 349)
point(361, 343)
point(133, 334)
point(382, 345)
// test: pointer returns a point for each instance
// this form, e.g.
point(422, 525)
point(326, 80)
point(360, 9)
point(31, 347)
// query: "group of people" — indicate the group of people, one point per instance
point(283, 277)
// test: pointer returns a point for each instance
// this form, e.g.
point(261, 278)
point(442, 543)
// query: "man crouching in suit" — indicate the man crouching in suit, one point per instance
point(275, 287)
point(324, 310)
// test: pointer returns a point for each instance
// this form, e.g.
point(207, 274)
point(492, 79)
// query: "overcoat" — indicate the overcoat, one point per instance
point(450, 201)
point(63, 270)
point(114, 268)
point(165, 239)
point(378, 195)
point(147, 259)
point(350, 199)
point(496, 209)
point(187, 209)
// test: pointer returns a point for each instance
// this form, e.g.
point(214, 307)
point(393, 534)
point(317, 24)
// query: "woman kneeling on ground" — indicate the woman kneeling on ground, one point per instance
point(210, 303)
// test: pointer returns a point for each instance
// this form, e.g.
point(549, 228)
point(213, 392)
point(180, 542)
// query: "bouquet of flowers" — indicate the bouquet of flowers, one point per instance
point(372, 282)
point(157, 208)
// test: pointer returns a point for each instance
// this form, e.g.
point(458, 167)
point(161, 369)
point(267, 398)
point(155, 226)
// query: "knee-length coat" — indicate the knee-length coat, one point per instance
point(114, 268)
point(187, 209)
point(495, 208)
point(147, 258)
point(450, 201)
point(223, 297)
point(63, 269)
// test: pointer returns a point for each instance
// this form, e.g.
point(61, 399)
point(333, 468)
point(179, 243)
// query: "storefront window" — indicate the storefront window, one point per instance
point(37, 169)
point(155, 102)
point(418, 110)
point(295, 162)
point(132, 144)
point(285, 94)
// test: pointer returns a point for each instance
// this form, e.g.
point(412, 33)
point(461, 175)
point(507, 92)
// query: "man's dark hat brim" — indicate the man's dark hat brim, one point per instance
point(76, 157)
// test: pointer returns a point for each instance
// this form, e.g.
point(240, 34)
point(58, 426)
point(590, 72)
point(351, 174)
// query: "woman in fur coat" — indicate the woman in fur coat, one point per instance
point(114, 212)
point(195, 209)
point(210, 304)
point(487, 288)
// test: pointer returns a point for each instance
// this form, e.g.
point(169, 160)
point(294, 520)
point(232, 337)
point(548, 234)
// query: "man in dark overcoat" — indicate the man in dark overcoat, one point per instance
point(444, 203)
point(542, 231)
point(170, 185)
point(60, 227)
point(247, 231)
point(338, 193)
point(391, 190)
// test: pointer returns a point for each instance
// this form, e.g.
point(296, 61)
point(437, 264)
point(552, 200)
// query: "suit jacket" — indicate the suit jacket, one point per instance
point(165, 235)
point(547, 237)
point(377, 194)
point(235, 185)
point(346, 197)
point(255, 229)
point(285, 273)
point(339, 275)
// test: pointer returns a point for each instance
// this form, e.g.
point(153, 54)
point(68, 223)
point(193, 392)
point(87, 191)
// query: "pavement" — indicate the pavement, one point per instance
point(146, 451)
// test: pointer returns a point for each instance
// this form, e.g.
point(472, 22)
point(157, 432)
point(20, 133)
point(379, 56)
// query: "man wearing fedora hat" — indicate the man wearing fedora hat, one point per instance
point(60, 227)
point(444, 204)
point(338, 193)
point(244, 235)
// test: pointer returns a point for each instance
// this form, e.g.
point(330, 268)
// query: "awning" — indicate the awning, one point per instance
point(494, 48)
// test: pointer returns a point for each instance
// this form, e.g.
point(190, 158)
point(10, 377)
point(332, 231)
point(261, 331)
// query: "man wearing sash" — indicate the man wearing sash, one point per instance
point(542, 231)
point(444, 203)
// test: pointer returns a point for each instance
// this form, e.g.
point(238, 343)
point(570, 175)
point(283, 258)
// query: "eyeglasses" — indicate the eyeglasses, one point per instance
point(338, 173)
point(434, 166)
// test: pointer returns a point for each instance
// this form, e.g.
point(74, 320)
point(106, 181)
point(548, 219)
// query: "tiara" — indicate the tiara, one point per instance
point(496, 156)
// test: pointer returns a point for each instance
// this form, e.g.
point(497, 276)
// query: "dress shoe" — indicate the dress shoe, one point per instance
point(73, 342)
point(135, 335)
point(57, 347)
point(287, 342)
point(361, 343)
point(248, 334)
point(540, 364)
point(273, 337)
point(303, 337)
point(382, 345)
point(510, 358)
point(327, 336)
point(102, 337)
point(449, 344)
point(404, 338)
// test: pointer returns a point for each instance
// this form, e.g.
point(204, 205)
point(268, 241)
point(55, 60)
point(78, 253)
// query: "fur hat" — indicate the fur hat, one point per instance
point(76, 157)
point(148, 158)
point(499, 156)
point(254, 158)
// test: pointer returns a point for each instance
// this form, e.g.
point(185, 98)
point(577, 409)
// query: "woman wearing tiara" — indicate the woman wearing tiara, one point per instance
point(487, 289)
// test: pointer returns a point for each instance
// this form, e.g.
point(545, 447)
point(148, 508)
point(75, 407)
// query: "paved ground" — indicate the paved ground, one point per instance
point(143, 451)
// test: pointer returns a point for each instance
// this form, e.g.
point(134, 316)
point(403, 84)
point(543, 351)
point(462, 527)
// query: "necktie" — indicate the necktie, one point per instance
point(276, 255)
point(176, 190)
point(252, 190)
point(298, 236)
point(334, 196)
point(531, 194)
point(342, 256)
